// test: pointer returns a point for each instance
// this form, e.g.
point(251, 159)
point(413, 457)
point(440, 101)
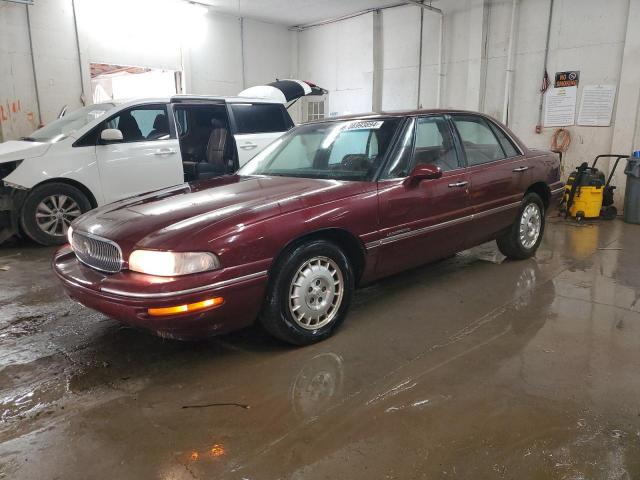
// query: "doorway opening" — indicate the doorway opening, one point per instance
point(206, 143)
point(120, 82)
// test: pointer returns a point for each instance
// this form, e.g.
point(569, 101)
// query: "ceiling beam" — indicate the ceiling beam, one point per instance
point(417, 3)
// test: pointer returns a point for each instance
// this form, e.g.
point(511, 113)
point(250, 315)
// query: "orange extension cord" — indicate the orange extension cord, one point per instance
point(560, 140)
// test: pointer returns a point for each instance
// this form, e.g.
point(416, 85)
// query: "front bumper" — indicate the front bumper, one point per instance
point(11, 201)
point(243, 298)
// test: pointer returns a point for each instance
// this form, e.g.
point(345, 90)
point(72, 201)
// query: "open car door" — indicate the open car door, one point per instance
point(259, 123)
point(286, 91)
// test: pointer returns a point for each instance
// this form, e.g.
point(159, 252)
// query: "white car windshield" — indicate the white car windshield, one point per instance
point(340, 150)
point(61, 128)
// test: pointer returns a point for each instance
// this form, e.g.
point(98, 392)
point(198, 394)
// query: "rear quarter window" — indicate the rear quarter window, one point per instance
point(260, 118)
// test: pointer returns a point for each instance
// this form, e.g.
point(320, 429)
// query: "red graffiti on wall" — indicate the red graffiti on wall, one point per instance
point(10, 108)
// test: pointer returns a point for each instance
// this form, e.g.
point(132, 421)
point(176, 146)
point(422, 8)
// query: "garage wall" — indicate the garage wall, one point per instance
point(347, 57)
point(599, 38)
point(586, 35)
point(268, 52)
point(400, 57)
point(339, 57)
point(170, 34)
point(54, 59)
point(463, 53)
point(213, 61)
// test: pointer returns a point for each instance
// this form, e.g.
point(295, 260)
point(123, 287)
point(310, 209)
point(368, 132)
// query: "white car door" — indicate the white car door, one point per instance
point(148, 157)
point(256, 125)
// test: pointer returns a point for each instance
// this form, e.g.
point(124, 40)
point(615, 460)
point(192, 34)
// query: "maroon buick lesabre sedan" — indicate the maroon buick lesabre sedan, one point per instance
point(327, 207)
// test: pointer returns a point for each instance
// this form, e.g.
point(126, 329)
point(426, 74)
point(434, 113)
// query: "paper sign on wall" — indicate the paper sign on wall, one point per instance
point(560, 107)
point(596, 105)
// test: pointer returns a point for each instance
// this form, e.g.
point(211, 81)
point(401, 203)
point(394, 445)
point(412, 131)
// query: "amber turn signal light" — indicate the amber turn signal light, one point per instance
point(190, 307)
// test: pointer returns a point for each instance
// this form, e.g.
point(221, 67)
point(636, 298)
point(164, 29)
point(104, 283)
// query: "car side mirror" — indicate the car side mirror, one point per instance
point(423, 172)
point(111, 135)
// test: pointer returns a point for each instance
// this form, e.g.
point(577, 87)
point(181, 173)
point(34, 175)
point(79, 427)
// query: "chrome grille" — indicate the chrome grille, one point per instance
point(98, 253)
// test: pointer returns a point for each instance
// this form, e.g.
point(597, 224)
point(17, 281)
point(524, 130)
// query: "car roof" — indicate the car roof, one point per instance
point(413, 113)
point(129, 102)
point(397, 113)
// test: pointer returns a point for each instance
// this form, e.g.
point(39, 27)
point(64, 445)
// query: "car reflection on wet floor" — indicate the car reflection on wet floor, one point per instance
point(468, 368)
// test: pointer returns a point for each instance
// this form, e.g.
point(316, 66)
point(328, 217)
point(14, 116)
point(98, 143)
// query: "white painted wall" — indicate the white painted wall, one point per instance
point(462, 54)
point(15, 65)
point(214, 63)
point(599, 38)
point(587, 36)
point(339, 57)
point(268, 51)
point(400, 57)
point(169, 34)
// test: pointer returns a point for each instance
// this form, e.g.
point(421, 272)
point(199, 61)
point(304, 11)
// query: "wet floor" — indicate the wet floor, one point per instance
point(470, 368)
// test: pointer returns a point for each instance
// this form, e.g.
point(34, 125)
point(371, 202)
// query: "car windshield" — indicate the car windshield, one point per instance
point(61, 128)
point(340, 150)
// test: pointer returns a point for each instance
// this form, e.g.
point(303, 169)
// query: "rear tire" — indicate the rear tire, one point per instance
point(309, 293)
point(48, 211)
point(524, 237)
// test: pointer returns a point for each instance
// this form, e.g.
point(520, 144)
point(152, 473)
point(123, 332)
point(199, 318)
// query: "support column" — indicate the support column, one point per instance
point(626, 130)
point(376, 94)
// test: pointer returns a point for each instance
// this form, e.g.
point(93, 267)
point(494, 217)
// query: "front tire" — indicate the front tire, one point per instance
point(48, 211)
point(524, 236)
point(309, 293)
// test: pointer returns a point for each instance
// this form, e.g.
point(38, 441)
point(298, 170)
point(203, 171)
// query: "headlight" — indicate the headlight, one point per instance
point(169, 264)
point(8, 167)
point(69, 234)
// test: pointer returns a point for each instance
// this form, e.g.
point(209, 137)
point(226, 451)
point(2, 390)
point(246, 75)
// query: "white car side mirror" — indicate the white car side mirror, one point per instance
point(111, 135)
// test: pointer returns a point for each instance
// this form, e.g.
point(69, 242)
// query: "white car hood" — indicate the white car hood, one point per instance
point(19, 150)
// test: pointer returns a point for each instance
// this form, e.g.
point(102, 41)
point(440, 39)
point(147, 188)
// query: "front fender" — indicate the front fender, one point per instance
point(64, 162)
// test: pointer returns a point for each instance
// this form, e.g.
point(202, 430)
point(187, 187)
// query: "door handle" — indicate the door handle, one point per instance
point(521, 169)
point(249, 146)
point(458, 184)
point(164, 151)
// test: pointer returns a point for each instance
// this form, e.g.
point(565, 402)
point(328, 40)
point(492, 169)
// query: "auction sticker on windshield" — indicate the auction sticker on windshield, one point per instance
point(363, 124)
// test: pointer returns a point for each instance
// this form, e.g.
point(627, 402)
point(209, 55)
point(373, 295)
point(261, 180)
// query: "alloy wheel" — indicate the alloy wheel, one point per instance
point(316, 292)
point(55, 213)
point(530, 225)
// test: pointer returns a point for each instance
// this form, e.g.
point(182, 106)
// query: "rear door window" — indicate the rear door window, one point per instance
point(260, 118)
point(480, 144)
point(507, 145)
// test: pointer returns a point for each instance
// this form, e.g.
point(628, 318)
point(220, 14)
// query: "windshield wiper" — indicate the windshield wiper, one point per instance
point(28, 139)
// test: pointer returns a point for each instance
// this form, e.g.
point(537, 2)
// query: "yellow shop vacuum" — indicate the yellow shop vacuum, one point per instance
point(588, 195)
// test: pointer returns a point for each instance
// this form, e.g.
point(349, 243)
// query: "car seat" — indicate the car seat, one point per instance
point(160, 127)
point(217, 146)
point(129, 128)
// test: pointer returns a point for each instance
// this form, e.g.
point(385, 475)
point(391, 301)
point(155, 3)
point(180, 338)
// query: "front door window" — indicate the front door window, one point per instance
point(141, 124)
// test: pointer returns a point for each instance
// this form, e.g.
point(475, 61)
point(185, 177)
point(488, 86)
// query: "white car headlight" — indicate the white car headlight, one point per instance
point(69, 235)
point(169, 264)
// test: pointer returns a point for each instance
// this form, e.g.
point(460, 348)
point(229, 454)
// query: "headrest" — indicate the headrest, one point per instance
point(160, 123)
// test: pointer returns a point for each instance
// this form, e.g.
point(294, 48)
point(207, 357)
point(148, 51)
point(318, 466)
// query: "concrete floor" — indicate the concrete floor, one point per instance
point(469, 368)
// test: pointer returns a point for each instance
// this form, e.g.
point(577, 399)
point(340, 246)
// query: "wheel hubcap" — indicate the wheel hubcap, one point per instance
point(530, 224)
point(55, 213)
point(316, 293)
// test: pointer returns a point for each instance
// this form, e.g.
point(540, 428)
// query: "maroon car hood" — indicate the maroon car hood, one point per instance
point(166, 217)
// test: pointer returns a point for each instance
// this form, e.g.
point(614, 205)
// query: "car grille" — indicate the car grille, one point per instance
point(97, 253)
